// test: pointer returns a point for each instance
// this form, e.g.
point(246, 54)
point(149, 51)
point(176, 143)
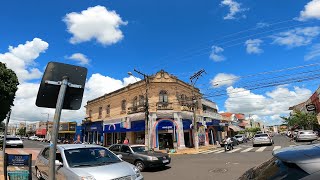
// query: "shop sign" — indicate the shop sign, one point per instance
point(166, 127)
point(311, 107)
point(93, 128)
point(63, 127)
point(18, 160)
point(72, 126)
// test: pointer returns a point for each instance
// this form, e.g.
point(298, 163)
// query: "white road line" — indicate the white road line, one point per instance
point(261, 149)
point(212, 151)
point(247, 150)
point(276, 147)
point(234, 150)
point(219, 151)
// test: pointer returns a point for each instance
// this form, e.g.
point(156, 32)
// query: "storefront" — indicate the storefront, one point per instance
point(41, 133)
point(187, 132)
point(215, 131)
point(114, 133)
point(138, 132)
point(166, 134)
point(67, 131)
point(93, 132)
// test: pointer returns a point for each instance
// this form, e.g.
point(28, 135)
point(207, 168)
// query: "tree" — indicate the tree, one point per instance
point(31, 133)
point(302, 120)
point(21, 131)
point(8, 88)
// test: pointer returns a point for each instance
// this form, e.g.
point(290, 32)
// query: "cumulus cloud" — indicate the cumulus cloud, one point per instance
point(313, 53)
point(21, 59)
point(97, 23)
point(253, 46)
point(81, 59)
point(223, 79)
point(269, 106)
point(296, 37)
point(311, 11)
point(234, 9)
point(216, 54)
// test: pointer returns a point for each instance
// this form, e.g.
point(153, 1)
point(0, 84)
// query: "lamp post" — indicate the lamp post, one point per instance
point(146, 106)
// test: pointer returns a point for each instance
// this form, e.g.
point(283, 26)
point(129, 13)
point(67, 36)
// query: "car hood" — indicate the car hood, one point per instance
point(111, 171)
point(299, 154)
point(153, 153)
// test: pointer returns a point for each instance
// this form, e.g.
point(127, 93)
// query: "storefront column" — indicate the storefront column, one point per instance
point(88, 140)
point(178, 119)
point(152, 132)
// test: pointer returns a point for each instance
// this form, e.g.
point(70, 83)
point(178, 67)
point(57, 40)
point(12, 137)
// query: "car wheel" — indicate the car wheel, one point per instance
point(38, 174)
point(139, 165)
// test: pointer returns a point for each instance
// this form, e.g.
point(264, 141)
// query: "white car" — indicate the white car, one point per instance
point(241, 138)
point(306, 135)
point(12, 141)
point(260, 139)
point(34, 138)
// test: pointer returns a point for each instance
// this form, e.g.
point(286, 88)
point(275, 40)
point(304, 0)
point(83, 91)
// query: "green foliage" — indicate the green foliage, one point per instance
point(31, 133)
point(253, 130)
point(21, 131)
point(302, 119)
point(8, 88)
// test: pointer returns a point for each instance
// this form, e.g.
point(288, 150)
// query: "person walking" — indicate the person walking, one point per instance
point(126, 141)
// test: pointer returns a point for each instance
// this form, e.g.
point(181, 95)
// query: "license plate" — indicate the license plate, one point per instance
point(165, 161)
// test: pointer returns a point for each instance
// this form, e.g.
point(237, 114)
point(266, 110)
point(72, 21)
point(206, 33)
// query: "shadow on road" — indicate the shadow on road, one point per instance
point(157, 169)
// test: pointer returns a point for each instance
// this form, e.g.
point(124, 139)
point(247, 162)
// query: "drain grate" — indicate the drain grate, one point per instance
point(218, 170)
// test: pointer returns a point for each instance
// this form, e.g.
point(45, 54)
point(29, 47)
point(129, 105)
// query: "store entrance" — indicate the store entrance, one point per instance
point(165, 140)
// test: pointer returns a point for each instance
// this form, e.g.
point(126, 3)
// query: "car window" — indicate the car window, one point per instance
point(45, 153)
point(13, 139)
point(261, 135)
point(115, 148)
point(125, 149)
point(238, 136)
point(138, 148)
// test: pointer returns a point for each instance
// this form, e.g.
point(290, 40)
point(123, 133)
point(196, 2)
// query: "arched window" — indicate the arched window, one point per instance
point(141, 100)
point(123, 105)
point(135, 102)
point(163, 96)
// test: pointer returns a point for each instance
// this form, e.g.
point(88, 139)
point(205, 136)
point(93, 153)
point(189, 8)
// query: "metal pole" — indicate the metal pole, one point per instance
point(4, 140)
point(47, 127)
point(147, 129)
point(55, 129)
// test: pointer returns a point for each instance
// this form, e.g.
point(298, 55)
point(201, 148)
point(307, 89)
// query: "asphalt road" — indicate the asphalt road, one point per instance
point(211, 165)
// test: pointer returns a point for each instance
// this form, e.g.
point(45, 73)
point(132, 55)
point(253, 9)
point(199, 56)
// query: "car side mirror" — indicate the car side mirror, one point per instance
point(119, 156)
point(58, 163)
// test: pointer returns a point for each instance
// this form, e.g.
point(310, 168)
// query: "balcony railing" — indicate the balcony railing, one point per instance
point(164, 106)
point(136, 109)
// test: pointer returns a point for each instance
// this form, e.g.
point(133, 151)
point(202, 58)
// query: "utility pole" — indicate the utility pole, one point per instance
point(146, 106)
point(193, 80)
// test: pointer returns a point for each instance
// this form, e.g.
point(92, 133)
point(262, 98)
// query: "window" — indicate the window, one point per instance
point(135, 102)
point(100, 112)
point(115, 148)
point(163, 96)
point(123, 105)
point(108, 110)
point(125, 149)
point(90, 113)
point(141, 100)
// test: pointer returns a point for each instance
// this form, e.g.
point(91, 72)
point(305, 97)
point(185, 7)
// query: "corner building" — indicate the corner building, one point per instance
point(122, 113)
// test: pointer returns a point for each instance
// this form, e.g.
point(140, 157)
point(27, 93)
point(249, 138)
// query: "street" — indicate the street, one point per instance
point(207, 164)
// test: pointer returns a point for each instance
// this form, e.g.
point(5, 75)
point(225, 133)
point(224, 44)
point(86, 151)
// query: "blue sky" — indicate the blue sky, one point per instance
point(110, 38)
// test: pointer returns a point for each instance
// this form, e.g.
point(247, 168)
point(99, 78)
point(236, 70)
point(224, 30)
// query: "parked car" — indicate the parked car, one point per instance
point(78, 161)
point(13, 141)
point(33, 138)
point(40, 139)
point(298, 162)
point(260, 139)
point(241, 138)
point(306, 135)
point(140, 157)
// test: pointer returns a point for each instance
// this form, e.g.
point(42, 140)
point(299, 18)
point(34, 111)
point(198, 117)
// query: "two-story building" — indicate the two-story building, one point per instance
point(121, 114)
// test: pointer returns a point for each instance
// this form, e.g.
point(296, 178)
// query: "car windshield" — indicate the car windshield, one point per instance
point(138, 148)
point(90, 157)
point(238, 136)
point(261, 135)
point(13, 139)
point(276, 169)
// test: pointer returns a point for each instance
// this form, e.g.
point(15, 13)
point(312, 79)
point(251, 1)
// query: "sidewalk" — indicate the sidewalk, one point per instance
point(191, 150)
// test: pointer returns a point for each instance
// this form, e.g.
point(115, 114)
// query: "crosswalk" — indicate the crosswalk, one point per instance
point(241, 149)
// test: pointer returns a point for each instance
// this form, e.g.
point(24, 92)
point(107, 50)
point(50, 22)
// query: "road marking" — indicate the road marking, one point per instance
point(247, 150)
point(261, 149)
point(234, 150)
point(276, 147)
point(219, 151)
point(292, 145)
point(212, 151)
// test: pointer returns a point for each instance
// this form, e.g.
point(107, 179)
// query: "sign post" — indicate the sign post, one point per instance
point(5, 138)
point(58, 91)
point(18, 160)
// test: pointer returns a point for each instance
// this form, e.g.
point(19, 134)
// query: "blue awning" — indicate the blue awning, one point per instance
point(137, 126)
point(186, 124)
point(109, 128)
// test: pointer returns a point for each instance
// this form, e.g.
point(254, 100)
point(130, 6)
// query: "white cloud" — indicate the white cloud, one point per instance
point(253, 46)
point(261, 25)
point(313, 53)
point(296, 37)
point(80, 58)
point(95, 23)
point(223, 79)
point(269, 106)
point(234, 9)
point(216, 54)
point(21, 59)
point(311, 11)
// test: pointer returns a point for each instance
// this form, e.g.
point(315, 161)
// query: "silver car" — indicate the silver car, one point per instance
point(85, 162)
point(261, 139)
point(306, 135)
point(12, 141)
point(298, 162)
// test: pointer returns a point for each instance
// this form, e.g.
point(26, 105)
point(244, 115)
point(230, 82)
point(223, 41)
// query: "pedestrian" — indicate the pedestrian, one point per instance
point(126, 141)
point(78, 141)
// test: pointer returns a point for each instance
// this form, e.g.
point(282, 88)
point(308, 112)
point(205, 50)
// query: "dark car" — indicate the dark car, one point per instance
point(140, 157)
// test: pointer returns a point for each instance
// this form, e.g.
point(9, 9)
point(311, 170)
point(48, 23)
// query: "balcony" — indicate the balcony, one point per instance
point(212, 115)
point(164, 106)
point(186, 108)
point(136, 109)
